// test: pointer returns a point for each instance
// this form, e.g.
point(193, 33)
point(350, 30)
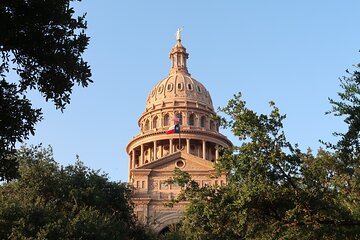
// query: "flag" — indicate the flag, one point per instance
point(173, 129)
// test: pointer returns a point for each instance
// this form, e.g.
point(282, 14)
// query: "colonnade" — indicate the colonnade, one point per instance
point(137, 155)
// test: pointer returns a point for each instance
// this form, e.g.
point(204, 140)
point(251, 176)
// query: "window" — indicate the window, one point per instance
point(206, 183)
point(191, 119)
point(179, 116)
point(198, 89)
point(166, 120)
point(180, 86)
point(146, 125)
point(155, 122)
point(169, 87)
point(190, 86)
point(212, 125)
point(202, 122)
point(180, 164)
point(163, 185)
point(175, 186)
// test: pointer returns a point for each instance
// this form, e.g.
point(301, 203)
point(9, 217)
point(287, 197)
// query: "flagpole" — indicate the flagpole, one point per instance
point(177, 122)
point(179, 140)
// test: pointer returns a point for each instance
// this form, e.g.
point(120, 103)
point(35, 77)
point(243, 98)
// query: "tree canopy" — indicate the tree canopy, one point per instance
point(274, 190)
point(349, 107)
point(49, 201)
point(41, 47)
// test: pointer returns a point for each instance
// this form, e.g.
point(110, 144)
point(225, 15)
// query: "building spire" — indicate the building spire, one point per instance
point(178, 55)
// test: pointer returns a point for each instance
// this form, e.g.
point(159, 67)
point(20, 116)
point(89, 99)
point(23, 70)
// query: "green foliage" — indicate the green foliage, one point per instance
point(41, 47)
point(72, 202)
point(274, 190)
point(349, 107)
point(348, 147)
point(174, 233)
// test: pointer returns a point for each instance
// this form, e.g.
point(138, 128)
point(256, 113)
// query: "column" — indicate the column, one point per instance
point(146, 213)
point(155, 151)
point(171, 145)
point(187, 145)
point(130, 165)
point(161, 150)
point(133, 158)
point(203, 149)
point(141, 154)
point(216, 152)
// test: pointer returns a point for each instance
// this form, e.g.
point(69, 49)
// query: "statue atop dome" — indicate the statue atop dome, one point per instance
point(178, 33)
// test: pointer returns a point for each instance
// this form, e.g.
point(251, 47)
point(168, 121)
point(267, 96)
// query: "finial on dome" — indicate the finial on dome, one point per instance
point(178, 33)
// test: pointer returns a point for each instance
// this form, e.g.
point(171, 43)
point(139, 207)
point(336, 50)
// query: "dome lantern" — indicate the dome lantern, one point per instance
point(178, 86)
point(178, 56)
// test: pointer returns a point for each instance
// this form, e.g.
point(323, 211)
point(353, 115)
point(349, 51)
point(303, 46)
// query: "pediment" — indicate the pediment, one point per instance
point(168, 163)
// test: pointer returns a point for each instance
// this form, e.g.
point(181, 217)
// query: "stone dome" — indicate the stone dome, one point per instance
point(178, 85)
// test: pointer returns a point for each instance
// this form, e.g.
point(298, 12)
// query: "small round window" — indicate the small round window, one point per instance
point(190, 86)
point(180, 86)
point(169, 87)
point(180, 164)
point(160, 89)
point(198, 89)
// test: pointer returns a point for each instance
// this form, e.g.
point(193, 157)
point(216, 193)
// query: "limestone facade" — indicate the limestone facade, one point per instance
point(153, 154)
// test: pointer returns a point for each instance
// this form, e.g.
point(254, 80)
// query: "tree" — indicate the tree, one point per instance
point(348, 106)
point(41, 47)
point(347, 149)
point(72, 202)
point(274, 190)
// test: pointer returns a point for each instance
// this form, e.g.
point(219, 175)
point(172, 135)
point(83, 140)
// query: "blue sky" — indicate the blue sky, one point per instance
point(291, 52)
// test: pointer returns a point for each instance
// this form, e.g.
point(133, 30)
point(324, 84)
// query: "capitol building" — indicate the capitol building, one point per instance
point(154, 153)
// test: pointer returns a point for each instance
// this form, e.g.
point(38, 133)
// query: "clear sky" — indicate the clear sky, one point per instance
point(291, 52)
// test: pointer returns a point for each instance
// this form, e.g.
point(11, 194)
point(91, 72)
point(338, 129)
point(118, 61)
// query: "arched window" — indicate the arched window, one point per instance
point(155, 122)
point(212, 125)
point(166, 120)
point(191, 119)
point(202, 121)
point(146, 125)
point(179, 116)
